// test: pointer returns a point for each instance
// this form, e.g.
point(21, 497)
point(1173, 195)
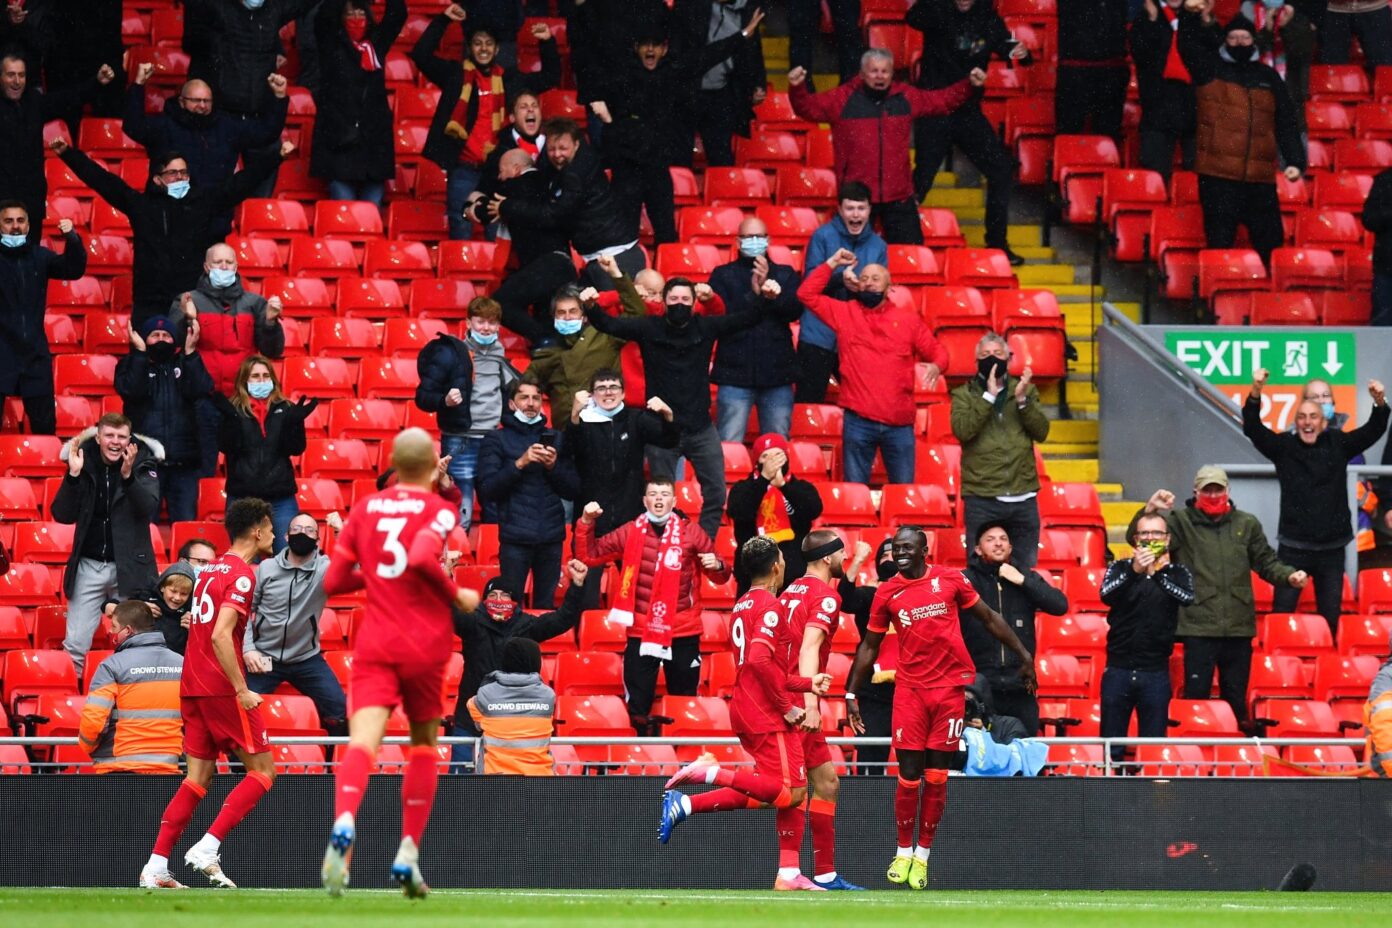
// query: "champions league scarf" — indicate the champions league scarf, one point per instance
point(666, 586)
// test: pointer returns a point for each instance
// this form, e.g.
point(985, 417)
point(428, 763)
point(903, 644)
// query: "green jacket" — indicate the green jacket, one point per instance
point(997, 448)
point(1221, 554)
point(566, 367)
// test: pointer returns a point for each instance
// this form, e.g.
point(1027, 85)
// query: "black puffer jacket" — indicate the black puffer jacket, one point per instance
point(1018, 604)
point(955, 42)
point(580, 204)
point(448, 75)
point(1377, 219)
point(26, 366)
point(762, 356)
point(484, 639)
point(210, 144)
point(160, 401)
point(608, 455)
point(258, 463)
point(526, 502)
point(353, 138)
point(444, 365)
point(234, 49)
point(1092, 30)
point(171, 236)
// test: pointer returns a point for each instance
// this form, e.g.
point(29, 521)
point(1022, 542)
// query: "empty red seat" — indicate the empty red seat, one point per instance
point(714, 225)
point(322, 257)
point(1297, 634)
point(1334, 229)
point(805, 186)
point(642, 760)
point(30, 456)
point(212, 532)
point(301, 297)
point(104, 139)
point(1276, 677)
point(1330, 758)
point(694, 262)
point(351, 220)
point(27, 673)
point(373, 299)
point(442, 299)
point(979, 267)
point(1083, 635)
point(1202, 718)
point(1343, 676)
point(789, 225)
point(1362, 156)
point(277, 219)
point(343, 338)
point(694, 716)
point(83, 295)
point(1375, 590)
point(1082, 586)
point(592, 716)
point(1128, 197)
point(924, 505)
point(322, 378)
point(1373, 120)
point(291, 714)
point(1305, 267)
point(406, 337)
point(737, 187)
point(397, 260)
point(1365, 634)
point(1280, 308)
point(1327, 120)
point(847, 504)
point(319, 496)
point(1077, 760)
point(1176, 237)
point(598, 633)
point(43, 542)
point(589, 673)
point(1080, 161)
point(256, 257)
point(1299, 718)
point(1227, 269)
point(1343, 83)
point(84, 374)
point(1170, 760)
point(913, 264)
point(18, 500)
point(767, 149)
point(28, 585)
point(389, 377)
point(477, 261)
point(1061, 676)
point(1342, 191)
point(337, 459)
point(369, 419)
point(417, 220)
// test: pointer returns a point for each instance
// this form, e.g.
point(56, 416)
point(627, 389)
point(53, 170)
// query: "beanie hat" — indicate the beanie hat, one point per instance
point(1240, 22)
point(498, 583)
point(768, 442)
point(156, 324)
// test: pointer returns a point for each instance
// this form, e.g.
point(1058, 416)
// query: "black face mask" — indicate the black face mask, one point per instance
point(1242, 54)
point(160, 352)
point(679, 314)
point(868, 299)
point(985, 365)
point(301, 545)
point(886, 569)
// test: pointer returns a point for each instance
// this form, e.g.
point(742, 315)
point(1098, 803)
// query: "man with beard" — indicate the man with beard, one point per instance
point(676, 349)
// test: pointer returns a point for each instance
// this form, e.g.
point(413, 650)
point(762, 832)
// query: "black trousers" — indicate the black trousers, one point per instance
point(1232, 657)
point(1010, 698)
point(714, 121)
point(630, 262)
point(877, 715)
point(899, 223)
point(804, 29)
point(1157, 151)
point(1230, 203)
point(41, 411)
point(525, 294)
point(683, 672)
point(815, 367)
point(1090, 100)
point(968, 129)
point(650, 185)
point(543, 562)
point(1326, 570)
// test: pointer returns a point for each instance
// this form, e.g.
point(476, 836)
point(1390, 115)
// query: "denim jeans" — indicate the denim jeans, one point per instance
point(283, 512)
point(1326, 570)
point(543, 562)
point(1021, 521)
point(1382, 299)
point(463, 180)
point(861, 437)
point(313, 678)
point(462, 450)
point(462, 755)
point(179, 491)
point(732, 405)
point(702, 449)
point(1147, 692)
point(371, 191)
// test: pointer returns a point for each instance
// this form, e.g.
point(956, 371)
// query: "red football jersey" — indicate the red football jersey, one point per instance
point(809, 601)
point(408, 617)
point(759, 620)
point(924, 611)
point(228, 581)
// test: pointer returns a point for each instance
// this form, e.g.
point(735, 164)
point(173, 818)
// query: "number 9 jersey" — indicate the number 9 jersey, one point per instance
point(231, 582)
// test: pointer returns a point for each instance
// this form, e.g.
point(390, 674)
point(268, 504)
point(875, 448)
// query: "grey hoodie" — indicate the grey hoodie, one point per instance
point(286, 608)
point(492, 373)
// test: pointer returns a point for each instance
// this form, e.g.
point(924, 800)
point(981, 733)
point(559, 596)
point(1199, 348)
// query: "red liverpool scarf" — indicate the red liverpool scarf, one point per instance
point(1174, 64)
point(666, 586)
point(773, 516)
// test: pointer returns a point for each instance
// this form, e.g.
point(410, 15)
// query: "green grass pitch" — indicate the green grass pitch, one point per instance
point(108, 908)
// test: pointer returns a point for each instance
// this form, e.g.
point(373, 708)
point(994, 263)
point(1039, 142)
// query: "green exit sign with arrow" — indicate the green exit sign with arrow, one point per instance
point(1223, 357)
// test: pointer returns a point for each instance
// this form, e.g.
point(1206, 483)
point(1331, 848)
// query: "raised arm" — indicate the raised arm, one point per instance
point(1267, 443)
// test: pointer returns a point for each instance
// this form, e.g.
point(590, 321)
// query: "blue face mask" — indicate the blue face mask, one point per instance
point(754, 246)
point(178, 190)
point(526, 419)
point(1273, 4)
point(13, 241)
point(569, 326)
point(260, 389)
point(221, 277)
point(481, 339)
point(1328, 410)
point(608, 413)
point(253, 4)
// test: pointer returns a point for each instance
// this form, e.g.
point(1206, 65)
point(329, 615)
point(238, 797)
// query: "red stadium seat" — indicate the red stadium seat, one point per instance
point(442, 299)
point(709, 225)
point(1362, 156)
point(337, 459)
point(404, 338)
point(480, 262)
point(1331, 758)
point(1079, 163)
point(1304, 267)
point(1277, 677)
point(979, 267)
point(643, 760)
point(1128, 197)
point(352, 220)
point(1077, 760)
point(1231, 269)
point(28, 673)
point(686, 190)
point(278, 220)
point(1328, 121)
point(397, 260)
point(1202, 718)
point(1296, 634)
point(256, 258)
point(598, 633)
point(925, 505)
point(1333, 229)
point(1061, 676)
point(344, 338)
point(368, 419)
point(1083, 585)
point(301, 297)
point(776, 112)
point(805, 186)
point(417, 221)
point(737, 187)
point(1176, 237)
point(290, 714)
point(18, 500)
point(1374, 590)
point(84, 374)
point(392, 378)
point(694, 716)
point(28, 585)
point(1373, 120)
point(1241, 760)
point(322, 378)
point(182, 533)
point(373, 299)
point(767, 150)
point(694, 262)
point(589, 673)
point(1365, 634)
point(318, 497)
point(913, 264)
point(789, 225)
point(1170, 760)
point(847, 504)
point(940, 228)
point(1341, 83)
point(592, 716)
point(322, 257)
point(1342, 191)
point(43, 542)
point(79, 296)
point(1298, 718)
point(1083, 635)
point(1341, 676)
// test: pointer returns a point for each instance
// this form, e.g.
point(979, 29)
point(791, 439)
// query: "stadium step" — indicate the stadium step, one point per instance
point(1019, 237)
point(1046, 275)
point(954, 197)
point(1073, 470)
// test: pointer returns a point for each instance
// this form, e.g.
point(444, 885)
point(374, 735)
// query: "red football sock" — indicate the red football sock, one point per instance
point(418, 790)
point(906, 810)
point(351, 782)
point(239, 802)
point(722, 800)
point(762, 788)
point(823, 816)
point(177, 816)
point(790, 821)
point(931, 806)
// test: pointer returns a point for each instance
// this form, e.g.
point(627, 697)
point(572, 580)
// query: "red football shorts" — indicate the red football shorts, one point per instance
point(777, 754)
point(215, 725)
point(928, 719)
point(418, 688)
point(815, 750)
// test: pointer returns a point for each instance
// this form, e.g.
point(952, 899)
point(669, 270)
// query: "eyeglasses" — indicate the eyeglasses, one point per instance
point(608, 388)
point(175, 173)
point(198, 561)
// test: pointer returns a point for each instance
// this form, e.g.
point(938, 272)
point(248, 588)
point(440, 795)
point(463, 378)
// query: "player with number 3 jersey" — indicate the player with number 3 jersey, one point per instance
point(763, 715)
point(392, 547)
point(922, 602)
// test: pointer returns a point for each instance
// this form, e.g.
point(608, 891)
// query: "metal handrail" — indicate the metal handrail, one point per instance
point(1162, 355)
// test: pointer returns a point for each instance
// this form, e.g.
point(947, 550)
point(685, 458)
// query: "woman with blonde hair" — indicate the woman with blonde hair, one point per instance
point(260, 431)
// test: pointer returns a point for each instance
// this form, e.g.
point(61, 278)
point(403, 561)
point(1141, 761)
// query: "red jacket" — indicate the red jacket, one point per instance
point(610, 549)
point(871, 138)
point(630, 358)
point(878, 349)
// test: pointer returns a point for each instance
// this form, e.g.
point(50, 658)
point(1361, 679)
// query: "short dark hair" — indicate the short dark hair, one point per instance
point(13, 204)
point(853, 190)
point(562, 125)
point(679, 282)
point(660, 480)
point(113, 420)
point(759, 555)
point(244, 516)
point(520, 655)
point(160, 162)
point(605, 373)
point(134, 614)
point(187, 547)
point(528, 379)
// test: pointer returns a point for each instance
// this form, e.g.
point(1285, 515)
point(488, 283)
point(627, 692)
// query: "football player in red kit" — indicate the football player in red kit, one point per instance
point(813, 608)
point(764, 717)
point(220, 714)
point(392, 546)
point(922, 602)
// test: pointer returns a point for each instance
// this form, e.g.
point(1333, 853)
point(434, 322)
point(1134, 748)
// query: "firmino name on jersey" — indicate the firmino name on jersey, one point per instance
point(396, 506)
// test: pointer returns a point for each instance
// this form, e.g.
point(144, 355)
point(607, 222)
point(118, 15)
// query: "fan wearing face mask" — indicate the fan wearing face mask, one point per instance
point(161, 382)
point(1248, 129)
